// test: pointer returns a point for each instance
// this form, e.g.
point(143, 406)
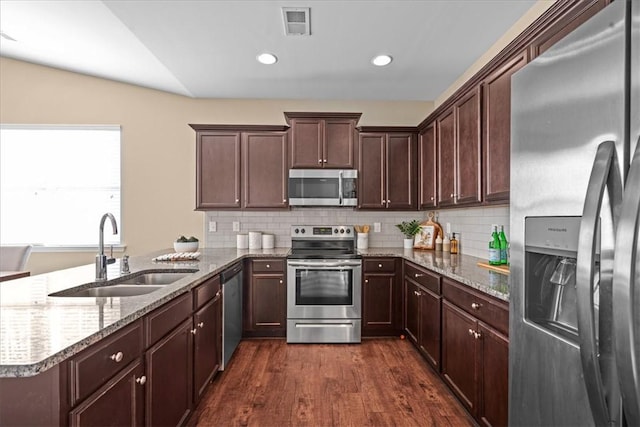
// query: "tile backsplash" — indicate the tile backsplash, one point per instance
point(472, 224)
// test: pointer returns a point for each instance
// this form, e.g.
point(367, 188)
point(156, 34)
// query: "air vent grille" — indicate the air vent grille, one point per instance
point(296, 21)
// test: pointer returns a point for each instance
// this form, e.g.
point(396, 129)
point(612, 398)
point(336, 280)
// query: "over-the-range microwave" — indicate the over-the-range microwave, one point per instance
point(322, 187)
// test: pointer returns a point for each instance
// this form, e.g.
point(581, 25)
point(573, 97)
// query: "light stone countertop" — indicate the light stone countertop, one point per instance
point(38, 331)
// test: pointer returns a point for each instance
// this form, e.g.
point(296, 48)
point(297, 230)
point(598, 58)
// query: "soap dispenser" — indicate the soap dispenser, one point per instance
point(446, 244)
point(454, 244)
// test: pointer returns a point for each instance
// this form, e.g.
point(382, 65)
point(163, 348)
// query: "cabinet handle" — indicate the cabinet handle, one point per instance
point(201, 325)
point(193, 331)
point(418, 275)
point(142, 380)
point(477, 335)
point(471, 331)
point(117, 357)
point(476, 306)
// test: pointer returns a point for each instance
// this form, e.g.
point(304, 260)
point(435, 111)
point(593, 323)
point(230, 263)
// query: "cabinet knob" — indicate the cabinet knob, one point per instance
point(117, 357)
point(284, 200)
point(383, 202)
point(431, 198)
point(325, 160)
point(281, 282)
point(218, 294)
point(476, 306)
point(477, 335)
point(142, 380)
point(451, 195)
point(237, 200)
point(471, 331)
point(193, 331)
point(388, 202)
point(268, 265)
point(379, 265)
point(201, 325)
point(319, 160)
point(366, 280)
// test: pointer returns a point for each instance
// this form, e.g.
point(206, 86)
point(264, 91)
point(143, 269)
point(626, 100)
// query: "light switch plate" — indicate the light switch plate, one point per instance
point(236, 225)
point(213, 226)
point(376, 227)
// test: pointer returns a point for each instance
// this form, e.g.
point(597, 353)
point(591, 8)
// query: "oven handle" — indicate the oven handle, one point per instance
point(324, 264)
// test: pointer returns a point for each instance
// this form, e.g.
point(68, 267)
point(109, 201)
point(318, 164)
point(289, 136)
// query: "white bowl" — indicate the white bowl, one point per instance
point(185, 246)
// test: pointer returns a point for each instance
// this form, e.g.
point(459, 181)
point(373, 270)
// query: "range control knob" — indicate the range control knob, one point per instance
point(342, 230)
point(302, 231)
point(296, 231)
point(335, 231)
point(348, 230)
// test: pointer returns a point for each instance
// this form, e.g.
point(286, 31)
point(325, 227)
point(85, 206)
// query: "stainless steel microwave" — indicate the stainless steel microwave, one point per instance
point(322, 187)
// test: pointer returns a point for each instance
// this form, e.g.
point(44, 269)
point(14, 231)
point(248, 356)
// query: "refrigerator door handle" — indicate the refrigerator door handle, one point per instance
point(626, 294)
point(598, 360)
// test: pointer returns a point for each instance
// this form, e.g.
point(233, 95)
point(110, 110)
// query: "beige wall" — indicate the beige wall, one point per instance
point(527, 19)
point(158, 146)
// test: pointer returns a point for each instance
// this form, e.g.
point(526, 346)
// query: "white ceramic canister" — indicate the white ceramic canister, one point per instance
point(268, 241)
point(242, 241)
point(255, 240)
point(363, 241)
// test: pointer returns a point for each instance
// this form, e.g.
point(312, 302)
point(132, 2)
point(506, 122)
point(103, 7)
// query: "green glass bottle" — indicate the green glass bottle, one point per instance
point(504, 245)
point(494, 248)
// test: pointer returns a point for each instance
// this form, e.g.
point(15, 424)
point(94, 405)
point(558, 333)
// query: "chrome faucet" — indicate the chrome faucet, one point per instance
point(101, 258)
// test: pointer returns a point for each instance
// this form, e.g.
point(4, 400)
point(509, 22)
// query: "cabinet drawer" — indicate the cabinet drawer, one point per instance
point(491, 311)
point(91, 368)
point(383, 265)
point(206, 292)
point(267, 265)
point(423, 277)
point(159, 322)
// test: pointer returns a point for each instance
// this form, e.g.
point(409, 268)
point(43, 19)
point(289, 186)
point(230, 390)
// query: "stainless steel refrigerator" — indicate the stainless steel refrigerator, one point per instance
point(574, 355)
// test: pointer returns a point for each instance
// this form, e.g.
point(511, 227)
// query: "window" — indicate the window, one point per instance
point(56, 182)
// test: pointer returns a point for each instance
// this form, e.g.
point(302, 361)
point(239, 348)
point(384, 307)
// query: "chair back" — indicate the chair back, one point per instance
point(14, 258)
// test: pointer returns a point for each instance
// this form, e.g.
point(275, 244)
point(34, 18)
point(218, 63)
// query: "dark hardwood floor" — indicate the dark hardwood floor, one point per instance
point(381, 382)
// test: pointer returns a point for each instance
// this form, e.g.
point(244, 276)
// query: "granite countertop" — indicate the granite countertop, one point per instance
point(38, 331)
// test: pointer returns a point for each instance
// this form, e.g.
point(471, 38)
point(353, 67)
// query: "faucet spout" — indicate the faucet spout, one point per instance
point(101, 258)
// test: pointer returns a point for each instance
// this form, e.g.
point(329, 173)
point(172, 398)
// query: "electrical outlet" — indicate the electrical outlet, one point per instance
point(376, 227)
point(448, 228)
point(213, 226)
point(236, 225)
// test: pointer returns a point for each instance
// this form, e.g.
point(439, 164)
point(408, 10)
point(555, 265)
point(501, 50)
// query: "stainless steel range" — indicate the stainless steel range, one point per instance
point(324, 285)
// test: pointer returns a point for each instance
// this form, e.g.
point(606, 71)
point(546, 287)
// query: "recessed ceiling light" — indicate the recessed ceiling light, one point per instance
point(381, 60)
point(267, 58)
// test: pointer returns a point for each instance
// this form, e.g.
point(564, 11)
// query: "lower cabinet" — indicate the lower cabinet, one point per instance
point(381, 297)
point(207, 356)
point(265, 309)
point(475, 351)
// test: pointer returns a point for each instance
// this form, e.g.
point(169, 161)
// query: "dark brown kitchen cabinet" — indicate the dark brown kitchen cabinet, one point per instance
point(218, 170)
point(387, 169)
point(381, 297)
point(496, 94)
point(207, 344)
point(241, 166)
point(322, 140)
point(169, 370)
point(264, 169)
point(266, 301)
point(427, 169)
point(446, 165)
point(423, 310)
point(475, 351)
point(120, 402)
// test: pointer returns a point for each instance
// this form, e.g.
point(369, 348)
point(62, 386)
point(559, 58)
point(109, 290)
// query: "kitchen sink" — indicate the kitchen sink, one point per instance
point(138, 283)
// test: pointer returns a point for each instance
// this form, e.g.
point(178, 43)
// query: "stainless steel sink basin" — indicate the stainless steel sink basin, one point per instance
point(154, 278)
point(139, 283)
point(114, 291)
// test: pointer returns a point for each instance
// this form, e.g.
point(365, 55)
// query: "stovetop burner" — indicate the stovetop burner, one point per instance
point(322, 242)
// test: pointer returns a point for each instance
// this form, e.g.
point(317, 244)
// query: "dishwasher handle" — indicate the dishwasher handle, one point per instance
point(231, 272)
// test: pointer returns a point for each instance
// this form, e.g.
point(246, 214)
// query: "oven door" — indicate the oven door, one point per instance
point(324, 289)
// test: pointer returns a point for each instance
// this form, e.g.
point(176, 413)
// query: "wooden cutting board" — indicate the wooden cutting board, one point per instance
point(504, 269)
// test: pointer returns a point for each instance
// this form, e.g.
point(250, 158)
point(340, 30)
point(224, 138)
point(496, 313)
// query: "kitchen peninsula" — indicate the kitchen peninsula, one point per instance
point(43, 336)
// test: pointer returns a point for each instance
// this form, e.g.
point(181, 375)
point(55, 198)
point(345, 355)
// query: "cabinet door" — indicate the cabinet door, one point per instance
point(401, 171)
point(371, 180)
point(497, 129)
point(268, 302)
point(338, 143)
point(218, 170)
point(379, 304)
point(169, 366)
point(412, 310)
point(468, 149)
point(120, 402)
point(206, 347)
point(306, 143)
point(265, 169)
point(459, 354)
point(494, 367)
point(427, 170)
point(446, 158)
point(429, 338)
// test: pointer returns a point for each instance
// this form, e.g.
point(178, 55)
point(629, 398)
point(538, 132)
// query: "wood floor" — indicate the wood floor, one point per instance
point(381, 382)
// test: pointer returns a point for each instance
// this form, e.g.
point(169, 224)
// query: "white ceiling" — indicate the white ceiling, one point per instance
point(208, 48)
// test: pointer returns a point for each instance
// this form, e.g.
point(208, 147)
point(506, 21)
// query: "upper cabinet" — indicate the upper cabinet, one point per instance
point(387, 172)
point(323, 140)
point(241, 167)
point(427, 170)
point(496, 94)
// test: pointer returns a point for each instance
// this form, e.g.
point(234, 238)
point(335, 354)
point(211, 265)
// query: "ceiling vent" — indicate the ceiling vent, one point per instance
point(296, 21)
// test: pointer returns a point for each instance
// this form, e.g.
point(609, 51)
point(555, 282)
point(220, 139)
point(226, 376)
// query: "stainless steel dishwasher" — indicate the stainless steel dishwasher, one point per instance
point(231, 311)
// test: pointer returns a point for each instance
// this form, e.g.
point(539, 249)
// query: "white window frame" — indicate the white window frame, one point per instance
point(88, 242)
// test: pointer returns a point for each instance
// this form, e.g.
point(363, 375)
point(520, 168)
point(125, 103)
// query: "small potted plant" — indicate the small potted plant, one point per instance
point(409, 229)
point(182, 244)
